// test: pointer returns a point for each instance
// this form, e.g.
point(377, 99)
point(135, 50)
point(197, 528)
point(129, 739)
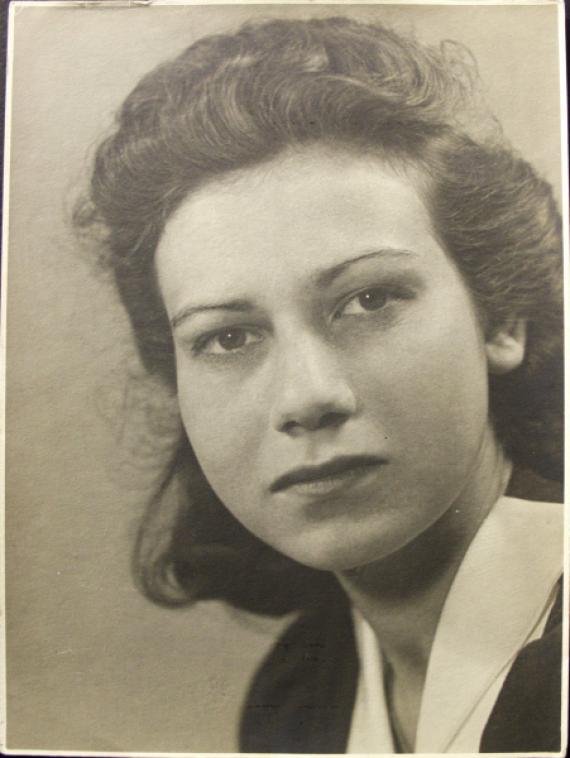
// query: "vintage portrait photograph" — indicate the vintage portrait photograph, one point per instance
point(282, 326)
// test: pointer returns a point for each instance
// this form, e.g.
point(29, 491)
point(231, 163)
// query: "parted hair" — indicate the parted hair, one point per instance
point(232, 101)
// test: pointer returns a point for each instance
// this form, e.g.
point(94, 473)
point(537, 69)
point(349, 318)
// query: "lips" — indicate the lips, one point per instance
point(328, 476)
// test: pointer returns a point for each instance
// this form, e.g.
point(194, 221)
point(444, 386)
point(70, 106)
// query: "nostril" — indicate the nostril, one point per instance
point(332, 418)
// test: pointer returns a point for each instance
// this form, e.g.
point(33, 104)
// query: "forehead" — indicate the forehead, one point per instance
point(301, 212)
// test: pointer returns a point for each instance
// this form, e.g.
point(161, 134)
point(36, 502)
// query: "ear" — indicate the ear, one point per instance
point(505, 349)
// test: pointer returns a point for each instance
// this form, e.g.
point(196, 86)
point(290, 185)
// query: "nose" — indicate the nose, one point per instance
point(313, 391)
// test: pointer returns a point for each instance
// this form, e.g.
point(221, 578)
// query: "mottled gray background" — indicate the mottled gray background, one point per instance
point(91, 664)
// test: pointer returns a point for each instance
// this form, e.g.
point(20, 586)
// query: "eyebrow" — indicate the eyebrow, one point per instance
point(237, 306)
point(322, 279)
point(327, 276)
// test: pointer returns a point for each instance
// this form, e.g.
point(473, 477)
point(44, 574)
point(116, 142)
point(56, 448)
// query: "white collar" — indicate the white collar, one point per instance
point(500, 595)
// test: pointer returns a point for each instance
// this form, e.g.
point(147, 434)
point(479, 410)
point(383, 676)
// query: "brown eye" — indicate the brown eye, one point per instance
point(232, 339)
point(372, 300)
point(226, 341)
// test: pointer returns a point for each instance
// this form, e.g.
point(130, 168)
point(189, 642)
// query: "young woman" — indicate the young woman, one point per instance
point(354, 289)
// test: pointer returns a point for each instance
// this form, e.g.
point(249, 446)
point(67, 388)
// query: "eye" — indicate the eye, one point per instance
point(230, 340)
point(373, 299)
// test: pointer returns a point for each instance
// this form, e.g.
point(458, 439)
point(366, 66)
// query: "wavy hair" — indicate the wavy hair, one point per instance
point(232, 101)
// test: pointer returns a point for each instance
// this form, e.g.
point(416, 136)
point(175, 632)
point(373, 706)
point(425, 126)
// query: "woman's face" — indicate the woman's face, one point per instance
point(332, 373)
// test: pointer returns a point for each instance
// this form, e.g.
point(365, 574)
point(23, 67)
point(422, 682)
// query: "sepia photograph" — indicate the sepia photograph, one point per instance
point(283, 350)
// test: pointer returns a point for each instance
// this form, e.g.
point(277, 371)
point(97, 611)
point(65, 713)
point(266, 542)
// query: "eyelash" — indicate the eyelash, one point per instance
point(384, 292)
point(200, 346)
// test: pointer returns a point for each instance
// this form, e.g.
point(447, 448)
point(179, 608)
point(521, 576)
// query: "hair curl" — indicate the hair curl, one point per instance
point(233, 101)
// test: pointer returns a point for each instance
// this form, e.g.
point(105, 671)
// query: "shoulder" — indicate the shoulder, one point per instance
point(302, 696)
point(527, 714)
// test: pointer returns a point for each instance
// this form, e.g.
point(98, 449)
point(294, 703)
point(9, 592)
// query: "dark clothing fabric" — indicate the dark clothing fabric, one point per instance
point(526, 716)
point(302, 697)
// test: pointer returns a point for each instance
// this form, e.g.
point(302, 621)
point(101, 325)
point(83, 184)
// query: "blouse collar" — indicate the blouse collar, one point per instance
point(499, 597)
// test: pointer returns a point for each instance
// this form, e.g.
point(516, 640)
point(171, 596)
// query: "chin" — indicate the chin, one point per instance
point(335, 556)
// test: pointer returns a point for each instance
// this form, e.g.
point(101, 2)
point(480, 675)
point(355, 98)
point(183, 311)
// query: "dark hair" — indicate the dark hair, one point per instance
point(232, 101)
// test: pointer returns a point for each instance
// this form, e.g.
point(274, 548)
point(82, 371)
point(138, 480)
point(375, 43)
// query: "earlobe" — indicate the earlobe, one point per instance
point(505, 349)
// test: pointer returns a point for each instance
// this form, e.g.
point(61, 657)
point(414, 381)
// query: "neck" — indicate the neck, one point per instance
point(402, 595)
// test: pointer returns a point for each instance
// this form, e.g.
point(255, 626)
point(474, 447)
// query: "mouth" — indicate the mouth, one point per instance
point(333, 476)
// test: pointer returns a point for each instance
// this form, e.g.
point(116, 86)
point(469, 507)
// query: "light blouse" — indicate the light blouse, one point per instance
point(499, 602)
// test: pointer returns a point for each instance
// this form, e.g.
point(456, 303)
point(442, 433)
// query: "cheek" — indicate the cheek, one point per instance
point(429, 381)
point(223, 424)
